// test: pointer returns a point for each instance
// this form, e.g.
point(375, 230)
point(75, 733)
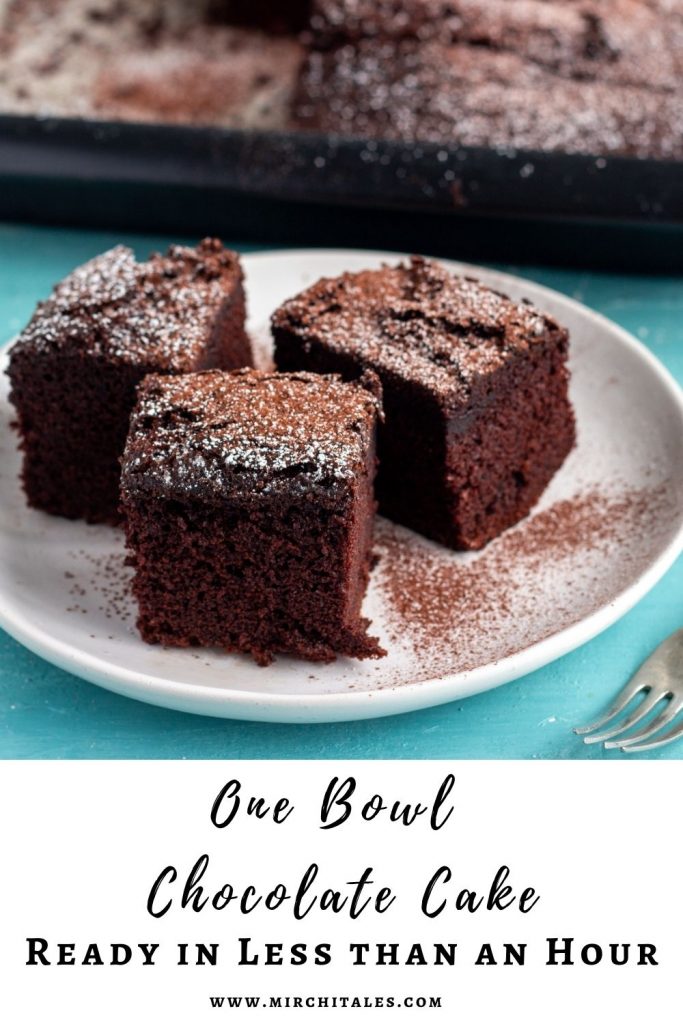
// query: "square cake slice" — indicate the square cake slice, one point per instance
point(475, 386)
point(75, 367)
point(249, 506)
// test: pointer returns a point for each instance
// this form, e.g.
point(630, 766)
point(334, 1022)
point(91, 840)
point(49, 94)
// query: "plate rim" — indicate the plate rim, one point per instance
point(352, 705)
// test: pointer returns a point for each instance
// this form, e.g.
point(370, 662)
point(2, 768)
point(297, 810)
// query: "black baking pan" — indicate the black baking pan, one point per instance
point(309, 189)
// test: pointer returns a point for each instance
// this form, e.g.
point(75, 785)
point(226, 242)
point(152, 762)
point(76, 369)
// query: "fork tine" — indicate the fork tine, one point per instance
point(669, 737)
point(631, 689)
point(624, 724)
point(655, 726)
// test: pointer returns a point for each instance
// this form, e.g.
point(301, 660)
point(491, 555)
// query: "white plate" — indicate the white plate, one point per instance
point(549, 585)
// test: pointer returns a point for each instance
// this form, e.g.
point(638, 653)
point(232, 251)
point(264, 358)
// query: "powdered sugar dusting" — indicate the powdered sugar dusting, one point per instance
point(625, 41)
point(417, 321)
point(581, 77)
point(217, 434)
point(156, 314)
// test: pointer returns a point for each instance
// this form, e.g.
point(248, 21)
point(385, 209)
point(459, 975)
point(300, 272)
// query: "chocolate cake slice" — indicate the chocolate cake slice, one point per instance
point(249, 509)
point(75, 367)
point(475, 389)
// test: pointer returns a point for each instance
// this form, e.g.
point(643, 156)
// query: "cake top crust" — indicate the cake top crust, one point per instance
point(480, 96)
point(156, 314)
point(220, 434)
point(549, 32)
point(419, 323)
point(625, 41)
point(598, 77)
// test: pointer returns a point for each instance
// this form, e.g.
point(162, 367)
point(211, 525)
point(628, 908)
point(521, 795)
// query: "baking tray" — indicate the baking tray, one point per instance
point(306, 188)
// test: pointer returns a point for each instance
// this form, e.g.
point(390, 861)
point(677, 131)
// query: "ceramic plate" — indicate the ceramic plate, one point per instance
point(607, 528)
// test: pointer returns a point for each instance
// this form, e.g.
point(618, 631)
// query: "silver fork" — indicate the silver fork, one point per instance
point(660, 677)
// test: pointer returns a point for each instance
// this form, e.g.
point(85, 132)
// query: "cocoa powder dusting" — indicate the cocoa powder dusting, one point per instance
point(454, 612)
point(103, 584)
point(459, 611)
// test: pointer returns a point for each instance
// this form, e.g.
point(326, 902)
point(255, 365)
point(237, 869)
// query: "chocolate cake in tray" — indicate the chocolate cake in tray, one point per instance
point(75, 367)
point(580, 76)
point(477, 413)
point(220, 62)
point(593, 77)
point(249, 507)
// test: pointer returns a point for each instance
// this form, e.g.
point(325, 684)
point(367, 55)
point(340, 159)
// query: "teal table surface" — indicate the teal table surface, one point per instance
point(46, 713)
